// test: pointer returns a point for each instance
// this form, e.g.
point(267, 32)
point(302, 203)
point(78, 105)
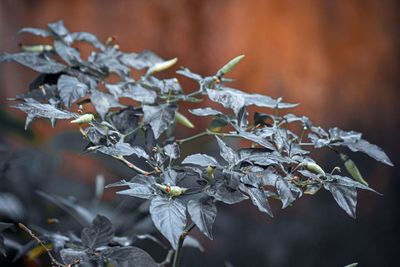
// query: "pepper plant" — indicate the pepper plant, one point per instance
point(274, 164)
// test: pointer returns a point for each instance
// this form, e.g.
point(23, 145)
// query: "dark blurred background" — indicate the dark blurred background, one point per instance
point(339, 59)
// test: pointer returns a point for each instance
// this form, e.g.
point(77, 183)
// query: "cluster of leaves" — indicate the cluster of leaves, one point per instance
point(277, 165)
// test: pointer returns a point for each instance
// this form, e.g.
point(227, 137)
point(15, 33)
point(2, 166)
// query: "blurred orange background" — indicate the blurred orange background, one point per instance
point(339, 59)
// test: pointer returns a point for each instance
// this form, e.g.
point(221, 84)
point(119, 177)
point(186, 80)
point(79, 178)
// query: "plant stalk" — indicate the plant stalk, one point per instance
point(178, 253)
point(205, 133)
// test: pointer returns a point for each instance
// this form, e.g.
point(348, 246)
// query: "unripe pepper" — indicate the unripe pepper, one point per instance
point(37, 48)
point(180, 118)
point(162, 66)
point(351, 167)
point(84, 118)
point(228, 67)
point(313, 167)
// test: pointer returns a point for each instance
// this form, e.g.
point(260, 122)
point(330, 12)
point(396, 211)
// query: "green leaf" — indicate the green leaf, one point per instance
point(141, 60)
point(123, 149)
point(203, 213)
point(187, 73)
point(69, 255)
point(35, 109)
point(235, 99)
point(35, 31)
point(102, 102)
point(71, 89)
point(36, 61)
point(129, 256)
point(205, 112)
point(159, 117)
point(258, 197)
point(169, 216)
point(140, 186)
point(371, 150)
point(87, 37)
point(227, 153)
point(201, 160)
point(98, 234)
point(67, 53)
point(133, 91)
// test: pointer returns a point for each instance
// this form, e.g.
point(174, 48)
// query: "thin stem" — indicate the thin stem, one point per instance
point(132, 166)
point(177, 256)
point(131, 132)
point(54, 261)
point(302, 135)
point(194, 93)
point(205, 133)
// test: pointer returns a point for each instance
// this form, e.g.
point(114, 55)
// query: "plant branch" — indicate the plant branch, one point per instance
point(132, 166)
point(54, 261)
point(177, 256)
point(205, 133)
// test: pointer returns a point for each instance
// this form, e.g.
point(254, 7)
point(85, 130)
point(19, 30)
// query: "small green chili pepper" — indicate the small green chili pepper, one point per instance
point(351, 167)
point(37, 48)
point(313, 167)
point(162, 66)
point(179, 117)
point(228, 67)
point(84, 118)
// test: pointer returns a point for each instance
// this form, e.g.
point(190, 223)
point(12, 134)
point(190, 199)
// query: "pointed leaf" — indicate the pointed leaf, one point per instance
point(35, 109)
point(129, 256)
point(132, 90)
point(35, 61)
point(35, 31)
point(71, 89)
point(371, 150)
point(258, 197)
point(87, 37)
point(205, 112)
point(123, 149)
point(203, 213)
point(345, 197)
point(103, 102)
point(159, 117)
point(140, 186)
point(172, 150)
point(142, 60)
point(201, 160)
point(187, 73)
point(98, 234)
point(67, 53)
point(168, 215)
point(287, 192)
point(227, 153)
point(58, 28)
point(70, 255)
